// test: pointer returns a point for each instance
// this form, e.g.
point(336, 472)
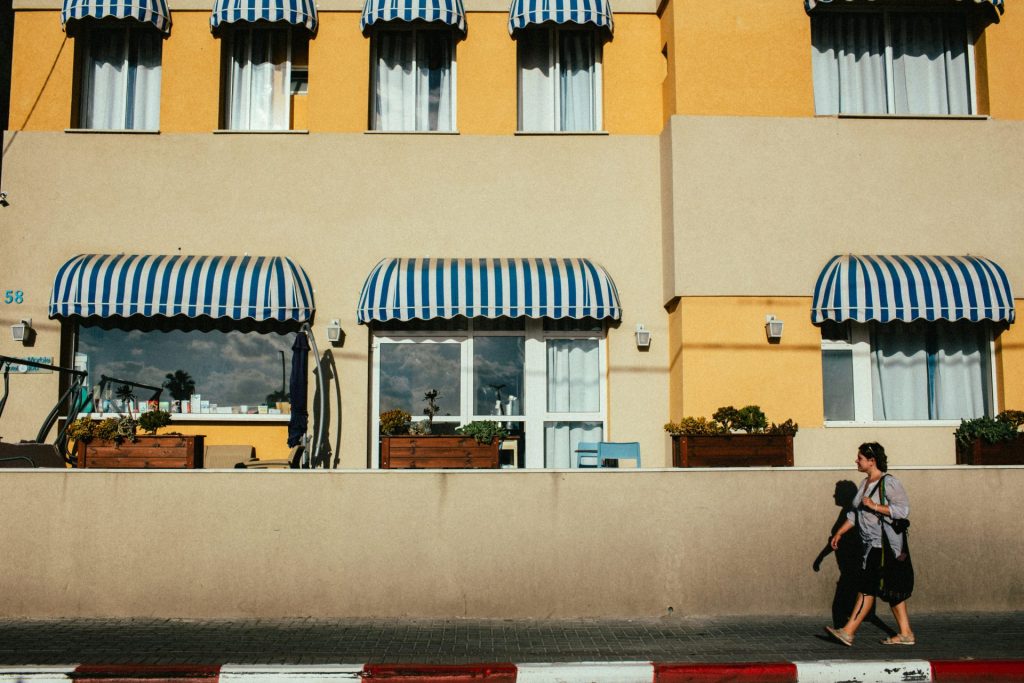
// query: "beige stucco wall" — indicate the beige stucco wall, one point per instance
point(485, 544)
point(337, 204)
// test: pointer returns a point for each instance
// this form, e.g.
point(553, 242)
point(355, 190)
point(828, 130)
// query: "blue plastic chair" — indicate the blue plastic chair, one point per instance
point(587, 449)
point(622, 450)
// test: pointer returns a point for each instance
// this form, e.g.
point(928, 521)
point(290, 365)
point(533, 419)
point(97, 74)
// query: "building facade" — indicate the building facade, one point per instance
point(491, 200)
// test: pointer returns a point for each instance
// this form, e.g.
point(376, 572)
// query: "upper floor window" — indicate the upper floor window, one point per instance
point(559, 79)
point(413, 77)
point(901, 61)
point(259, 66)
point(119, 67)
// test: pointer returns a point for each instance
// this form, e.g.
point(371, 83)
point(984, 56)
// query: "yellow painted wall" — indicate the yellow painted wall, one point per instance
point(743, 58)
point(633, 71)
point(41, 72)
point(339, 75)
point(1010, 365)
point(669, 92)
point(1004, 45)
point(675, 361)
point(729, 361)
point(270, 440)
point(487, 76)
point(190, 76)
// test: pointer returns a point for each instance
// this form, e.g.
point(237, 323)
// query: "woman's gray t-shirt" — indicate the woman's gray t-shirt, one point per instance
point(870, 524)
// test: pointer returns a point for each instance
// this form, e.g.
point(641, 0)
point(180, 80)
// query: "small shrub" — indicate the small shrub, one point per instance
point(991, 430)
point(484, 431)
point(393, 421)
point(153, 420)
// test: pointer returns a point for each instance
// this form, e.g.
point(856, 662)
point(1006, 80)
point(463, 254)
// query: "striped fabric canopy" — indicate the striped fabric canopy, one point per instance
point(522, 13)
point(908, 288)
point(153, 12)
point(408, 289)
point(448, 12)
point(294, 12)
point(811, 4)
point(235, 287)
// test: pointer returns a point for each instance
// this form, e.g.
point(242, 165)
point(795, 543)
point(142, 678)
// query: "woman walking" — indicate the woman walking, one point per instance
point(880, 511)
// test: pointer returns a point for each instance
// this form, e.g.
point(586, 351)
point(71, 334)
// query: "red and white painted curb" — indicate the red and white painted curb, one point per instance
point(823, 671)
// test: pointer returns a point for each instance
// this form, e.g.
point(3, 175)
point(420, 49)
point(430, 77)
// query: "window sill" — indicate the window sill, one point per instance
point(225, 131)
point(891, 423)
point(208, 417)
point(905, 117)
point(111, 131)
point(411, 132)
point(529, 133)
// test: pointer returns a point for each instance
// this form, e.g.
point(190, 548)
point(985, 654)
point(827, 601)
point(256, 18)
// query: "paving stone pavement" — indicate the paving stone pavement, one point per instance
point(457, 641)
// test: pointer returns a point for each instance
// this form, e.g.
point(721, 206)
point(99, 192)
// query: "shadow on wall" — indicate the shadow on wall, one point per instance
point(322, 418)
point(6, 38)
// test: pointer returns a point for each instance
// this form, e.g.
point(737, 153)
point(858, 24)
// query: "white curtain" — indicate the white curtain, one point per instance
point(260, 71)
point(848, 59)
point(573, 376)
point(930, 63)
point(576, 80)
point(922, 371)
point(413, 88)
point(561, 438)
point(536, 94)
point(122, 79)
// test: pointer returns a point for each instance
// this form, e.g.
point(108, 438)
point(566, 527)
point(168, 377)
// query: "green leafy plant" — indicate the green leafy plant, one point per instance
point(432, 408)
point(1015, 418)
point(727, 416)
point(694, 426)
point(1003, 427)
point(82, 429)
point(419, 428)
point(728, 419)
point(787, 428)
point(393, 421)
point(751, 419)
point(116, 429)
point(484, 431)
point(153, 420)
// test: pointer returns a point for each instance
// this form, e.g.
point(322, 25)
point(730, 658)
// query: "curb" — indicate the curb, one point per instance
point(821, 671)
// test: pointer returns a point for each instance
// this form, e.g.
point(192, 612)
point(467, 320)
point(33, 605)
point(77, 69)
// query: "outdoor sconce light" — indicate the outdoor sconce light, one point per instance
point(643, 337)
point(773, 328)
point(334, 331)
point(22, 332)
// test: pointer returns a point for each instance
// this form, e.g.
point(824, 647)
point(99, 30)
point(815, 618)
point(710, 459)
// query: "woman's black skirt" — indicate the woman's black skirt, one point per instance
point(886, 576)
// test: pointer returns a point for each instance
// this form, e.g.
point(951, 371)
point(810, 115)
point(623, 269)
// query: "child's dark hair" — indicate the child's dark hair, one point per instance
point(876, 452)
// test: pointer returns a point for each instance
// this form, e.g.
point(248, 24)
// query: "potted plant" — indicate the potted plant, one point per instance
point(474, 446)
point(732, 438)
point(991, 441)
point(115, 442)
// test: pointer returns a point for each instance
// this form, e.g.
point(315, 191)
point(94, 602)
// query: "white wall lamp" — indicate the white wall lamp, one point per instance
point(773, 329)
point(22, 331)
point(334, 331)
point(643, 337)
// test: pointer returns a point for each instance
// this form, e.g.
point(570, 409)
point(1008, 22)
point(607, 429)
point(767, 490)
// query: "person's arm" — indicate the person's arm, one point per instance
point(897, 504)
point(847, 525)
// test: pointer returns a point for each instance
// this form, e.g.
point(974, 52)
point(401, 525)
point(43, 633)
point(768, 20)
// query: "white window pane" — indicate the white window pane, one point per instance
point(144, 81)
point(561, 439)
point(498, 375)
point(395, 87)
point(848, 56)
point(930, 63)
point(103, 97)
point(573, 376)
point(536, 81)
point(434, 83)
point(576, 80)
point(259, 80)
point(899, 372)
point(408, 371)
point(961, 371)
point(837, 383)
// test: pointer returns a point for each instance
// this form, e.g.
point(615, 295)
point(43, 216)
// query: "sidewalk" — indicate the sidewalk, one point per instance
point(670, 640)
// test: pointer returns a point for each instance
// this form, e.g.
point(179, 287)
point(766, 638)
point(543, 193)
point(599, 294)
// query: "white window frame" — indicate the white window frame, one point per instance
point(890, 86)
point(859, 342)
point(535, 412)
point(229, 85)
point(453, 68)
point(126, 29)
point(554, 63)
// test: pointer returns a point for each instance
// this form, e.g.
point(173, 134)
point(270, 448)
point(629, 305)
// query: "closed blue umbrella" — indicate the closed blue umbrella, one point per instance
point(297, 387)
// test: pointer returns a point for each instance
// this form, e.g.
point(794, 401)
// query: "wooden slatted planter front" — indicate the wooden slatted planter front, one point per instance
point(981, 452)
point(161, 451)
point(733, 450)
point(437, 452)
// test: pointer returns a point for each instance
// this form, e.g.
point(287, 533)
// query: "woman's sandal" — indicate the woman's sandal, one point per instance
point(840, 635)
point(898, 640)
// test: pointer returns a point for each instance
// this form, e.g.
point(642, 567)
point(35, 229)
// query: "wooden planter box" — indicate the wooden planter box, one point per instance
point(732, 450)
point(437, 452)
point(982, 452)
point(163, 451)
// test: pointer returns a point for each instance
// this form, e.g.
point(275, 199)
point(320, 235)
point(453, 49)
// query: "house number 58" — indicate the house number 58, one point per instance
point(14, 296)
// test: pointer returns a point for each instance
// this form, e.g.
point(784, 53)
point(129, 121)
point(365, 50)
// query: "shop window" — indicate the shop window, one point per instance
point(413, 80)
point(262, 70)
point(119, 71)
point(559, 79)
point(234, 372)
point(918, 371)
point(545, 386)
point(899, 61)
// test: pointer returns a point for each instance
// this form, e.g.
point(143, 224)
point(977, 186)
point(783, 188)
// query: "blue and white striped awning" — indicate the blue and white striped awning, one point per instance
point(153, 12)
point(260, 288)
point(522, 13)
point(997, 4)
point(908, 288)
point(448, 12)
point(423, 289)
point(294, 12)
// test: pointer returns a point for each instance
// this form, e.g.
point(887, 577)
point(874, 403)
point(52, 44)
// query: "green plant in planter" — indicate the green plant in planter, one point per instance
point(153, 420)
point(83, 429)
point(787, 428)
point(484, 431)
point(432, 409)
point(695, 426)
point(1003, 427)
point(727, 420)
point(116, 429)
point(1015, 418)
point(393, 421)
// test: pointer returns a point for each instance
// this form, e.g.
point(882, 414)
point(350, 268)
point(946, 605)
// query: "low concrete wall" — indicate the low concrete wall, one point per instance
point(479, 544)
